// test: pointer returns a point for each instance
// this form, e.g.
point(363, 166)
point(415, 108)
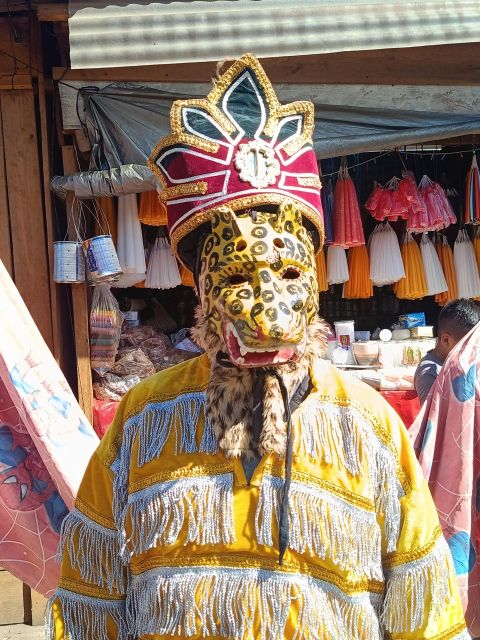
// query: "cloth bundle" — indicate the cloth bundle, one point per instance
point(152, 210)
point(414, 284)
point(347, 222)
point(359, 284)
point(398, 199)
point(436, 282)
point(131, 253)
point(445, 256)
point(468, 279)
point(386, 265)
point(321, 271)
point(439, 212)
point(162, 272)
point(337, 266)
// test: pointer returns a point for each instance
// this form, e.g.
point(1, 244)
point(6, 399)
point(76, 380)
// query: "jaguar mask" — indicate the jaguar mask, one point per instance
point(258, 286)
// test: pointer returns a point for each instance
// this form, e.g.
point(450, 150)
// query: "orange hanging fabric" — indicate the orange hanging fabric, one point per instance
point(359, 284)
point(414, 285)
point(321, 271)
point(152, 210)
point(186, 276)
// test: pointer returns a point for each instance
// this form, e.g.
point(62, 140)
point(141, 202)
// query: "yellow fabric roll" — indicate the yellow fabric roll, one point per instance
point(414, 285)
point(106, 221)
point(321, 271)
point(359, 284)
point(445, 256)
point(151, 210)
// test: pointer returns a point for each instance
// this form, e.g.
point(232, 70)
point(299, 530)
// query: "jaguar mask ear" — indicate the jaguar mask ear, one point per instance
point(224, 224)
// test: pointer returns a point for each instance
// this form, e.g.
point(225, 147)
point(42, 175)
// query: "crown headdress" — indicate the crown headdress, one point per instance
point(238, 146)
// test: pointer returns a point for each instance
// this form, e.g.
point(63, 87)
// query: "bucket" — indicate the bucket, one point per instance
point(102, 259)
point(68, 262)
point(345, 332)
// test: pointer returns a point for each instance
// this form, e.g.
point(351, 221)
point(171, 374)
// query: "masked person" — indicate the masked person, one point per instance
point(252, 492)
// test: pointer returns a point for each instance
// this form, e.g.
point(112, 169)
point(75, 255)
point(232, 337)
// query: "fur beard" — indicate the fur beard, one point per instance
point(230, 394)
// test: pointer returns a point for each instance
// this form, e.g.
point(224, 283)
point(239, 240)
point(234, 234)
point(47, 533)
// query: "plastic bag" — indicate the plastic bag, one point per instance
point(106, 321)
point(113, 387)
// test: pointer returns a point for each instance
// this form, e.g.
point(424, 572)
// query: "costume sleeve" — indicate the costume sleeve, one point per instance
point(422, 599)
point(90, 599)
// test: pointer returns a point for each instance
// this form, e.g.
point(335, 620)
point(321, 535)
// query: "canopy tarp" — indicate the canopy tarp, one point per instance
point(124, 122)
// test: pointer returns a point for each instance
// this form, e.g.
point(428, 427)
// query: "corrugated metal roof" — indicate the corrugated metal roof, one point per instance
point(146, 33)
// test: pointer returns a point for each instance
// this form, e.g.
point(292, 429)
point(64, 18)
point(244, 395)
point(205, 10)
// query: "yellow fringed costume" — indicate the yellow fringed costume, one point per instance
point(254, 492)
point(169, 539)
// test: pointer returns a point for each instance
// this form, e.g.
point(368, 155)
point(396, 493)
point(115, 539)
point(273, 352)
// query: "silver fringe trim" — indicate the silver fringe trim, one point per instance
point(247, 603)
point(322, 524)
point(93, 550)
point(202, 507)
point(84, 617)
point(152, 427)
point(410, 585)
point(332, 432)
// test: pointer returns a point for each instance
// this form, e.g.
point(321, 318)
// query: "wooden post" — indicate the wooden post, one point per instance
point(80, 308)
point(25, 203)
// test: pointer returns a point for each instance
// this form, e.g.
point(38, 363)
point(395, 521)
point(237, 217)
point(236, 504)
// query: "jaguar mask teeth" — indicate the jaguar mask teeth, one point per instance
point(242, 355)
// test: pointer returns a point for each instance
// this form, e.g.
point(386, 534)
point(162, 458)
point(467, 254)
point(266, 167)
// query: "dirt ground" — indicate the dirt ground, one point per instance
point(21, 632)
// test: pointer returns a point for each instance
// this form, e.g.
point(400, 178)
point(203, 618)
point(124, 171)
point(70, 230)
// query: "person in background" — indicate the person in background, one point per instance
point(446, 438)
point(456, 319)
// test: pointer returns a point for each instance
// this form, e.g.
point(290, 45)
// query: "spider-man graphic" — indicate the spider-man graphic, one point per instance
point(25, 484)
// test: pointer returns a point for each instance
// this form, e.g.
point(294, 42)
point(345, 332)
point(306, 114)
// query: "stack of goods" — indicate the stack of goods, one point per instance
point(414, 285)
point(472, 194)
point(143, 351)
point(468, 279)
point(162, 272)
point(386, 265)
point(347, 222)
point(105, 325)
point(445, 256)
point(359, 284)
point(131, 253)
point(321, 271)
point(327, 204)
point(337, 266)
point(399, 199)
point(440, 214)
point(436, 282)
point(152, 210)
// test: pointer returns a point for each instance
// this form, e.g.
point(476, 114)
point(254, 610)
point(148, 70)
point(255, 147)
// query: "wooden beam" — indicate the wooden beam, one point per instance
point(30, 262)
point(5, 232)
point(16, 81)
point(47, 12)
point(437, 65)
point(59, 348)
point(80, 308)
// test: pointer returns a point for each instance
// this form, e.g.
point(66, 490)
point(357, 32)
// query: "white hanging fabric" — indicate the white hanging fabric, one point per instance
point(436, 282)
point(130, 250)
point(468, 279)
point(386, 264)
point(337, 265)
point(162, 271)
